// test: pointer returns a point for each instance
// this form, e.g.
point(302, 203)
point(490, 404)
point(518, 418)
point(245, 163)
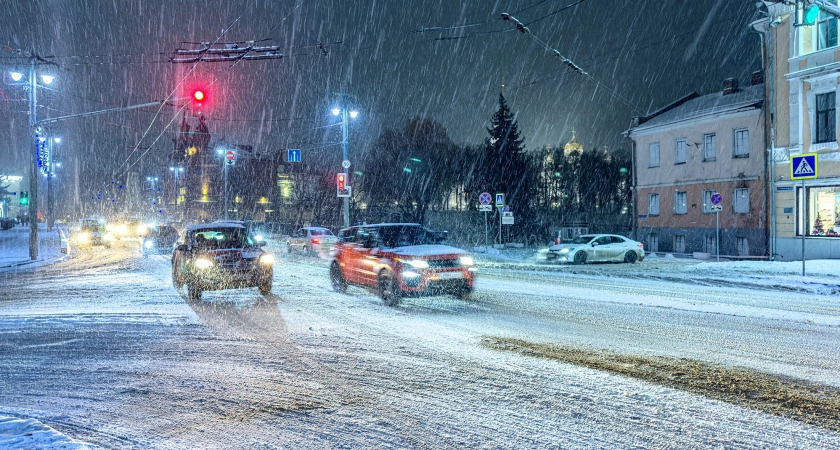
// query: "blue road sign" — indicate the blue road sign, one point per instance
point(716, 198)
point(294, 155)
point(500, 200)
point(803, 166)
point(485, 198)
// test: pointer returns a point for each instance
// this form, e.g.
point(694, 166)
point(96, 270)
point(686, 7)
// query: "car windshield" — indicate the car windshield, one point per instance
point(90, 228)
point(402, 236)
point(321, 232)
point(222, 238)
point(581, 240)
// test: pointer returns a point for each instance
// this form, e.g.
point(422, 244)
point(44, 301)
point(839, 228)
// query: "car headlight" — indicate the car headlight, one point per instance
point(466, 260)
point(203, 263)
point(109, 237)
point(267, 258)
point(417, 263)
point(122, 229)
point(142, 229)
point(410, 274)
point(82, 237)
point(566, 250)
point(149, 243)
point(258, 238)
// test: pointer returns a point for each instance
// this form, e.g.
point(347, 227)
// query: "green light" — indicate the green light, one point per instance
point(623, 170)
point(811, 14)
point(415, 159)
point(406, 170)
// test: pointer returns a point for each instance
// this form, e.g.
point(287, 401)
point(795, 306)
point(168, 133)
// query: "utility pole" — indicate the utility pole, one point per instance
point(344, 128)
point(33, 163)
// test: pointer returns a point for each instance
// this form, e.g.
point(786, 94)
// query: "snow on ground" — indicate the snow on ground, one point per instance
point(32, 434)
point(14, 247)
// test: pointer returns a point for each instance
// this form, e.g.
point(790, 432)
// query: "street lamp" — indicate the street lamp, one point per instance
point(225, 164)
point(51, 165)
point(353, 114)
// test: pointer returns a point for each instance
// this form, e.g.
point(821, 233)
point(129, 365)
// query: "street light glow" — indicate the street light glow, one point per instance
point(336, 111)
point(219, 151)
point(16, 76)
point(47, 79)
point(353, 114)
point(57, 140)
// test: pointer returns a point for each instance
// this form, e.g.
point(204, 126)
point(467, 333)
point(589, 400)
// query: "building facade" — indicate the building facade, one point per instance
point(803, 88)
point(685, 153)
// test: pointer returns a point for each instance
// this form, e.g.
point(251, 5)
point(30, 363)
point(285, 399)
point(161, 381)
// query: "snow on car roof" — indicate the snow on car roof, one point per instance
point(207, 226)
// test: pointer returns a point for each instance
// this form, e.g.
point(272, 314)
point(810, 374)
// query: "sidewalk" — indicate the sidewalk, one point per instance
point(14, 247)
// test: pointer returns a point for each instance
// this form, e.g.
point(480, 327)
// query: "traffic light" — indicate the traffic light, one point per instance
point(342, 177)
point(198, 96)
point(341, 184)
point(810, 12)
point(24, 198)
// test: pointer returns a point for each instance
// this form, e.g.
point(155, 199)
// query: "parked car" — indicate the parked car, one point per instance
point(221, 255)
point(311, 240)
point(597, 248)
point(158, 239)
point(92, 232)
point(397, 260)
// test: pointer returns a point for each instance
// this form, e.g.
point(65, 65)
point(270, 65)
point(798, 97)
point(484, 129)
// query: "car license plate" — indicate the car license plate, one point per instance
point(447, 275)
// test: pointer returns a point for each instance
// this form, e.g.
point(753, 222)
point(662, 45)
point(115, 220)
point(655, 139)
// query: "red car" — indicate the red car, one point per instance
point(399, 260)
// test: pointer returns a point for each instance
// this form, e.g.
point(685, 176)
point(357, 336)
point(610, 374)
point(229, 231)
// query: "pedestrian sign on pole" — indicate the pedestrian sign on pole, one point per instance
point(803, 167)
point(294, 155)
point(500, 200)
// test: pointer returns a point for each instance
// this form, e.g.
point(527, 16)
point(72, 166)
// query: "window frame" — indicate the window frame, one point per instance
point(830, 121)
point(651, 146)
point(651, 202)
point(677, 159)
point(745, 153)
point(736, 202)
point(707, 201)
point(679, 238)
point(684, 209)
point(706, 138)
point(826, 30)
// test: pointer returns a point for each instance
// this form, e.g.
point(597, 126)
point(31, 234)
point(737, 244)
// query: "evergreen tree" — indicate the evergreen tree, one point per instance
point(818, 226)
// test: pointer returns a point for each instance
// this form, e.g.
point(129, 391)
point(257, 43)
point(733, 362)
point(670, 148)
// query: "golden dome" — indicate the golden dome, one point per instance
point(572, 145)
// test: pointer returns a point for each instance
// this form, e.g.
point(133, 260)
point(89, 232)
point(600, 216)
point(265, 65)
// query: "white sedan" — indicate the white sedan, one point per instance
point(597, 248)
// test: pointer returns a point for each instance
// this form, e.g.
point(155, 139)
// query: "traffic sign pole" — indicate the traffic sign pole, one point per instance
point(717, 234)
point(804, 227)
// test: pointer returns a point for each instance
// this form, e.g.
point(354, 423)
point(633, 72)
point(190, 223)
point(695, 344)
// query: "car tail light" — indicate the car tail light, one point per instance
point(316, 240)
point(641, 245)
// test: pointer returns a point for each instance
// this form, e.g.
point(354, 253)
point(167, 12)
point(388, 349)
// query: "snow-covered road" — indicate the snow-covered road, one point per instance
point(102, 348)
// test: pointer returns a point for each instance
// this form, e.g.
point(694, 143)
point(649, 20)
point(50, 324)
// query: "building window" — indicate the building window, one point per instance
point(680, 206)
point(652, 243)
point(653, 204)
point(822, 209)
point(743, 246)
point(826, 123)
point(653, 152)
point(707, 202)
point(709, 150)
point(679, 152)
point(742, 143)
point(741, 201)
point(826, 30)
point(710, 245)
point(679, 243)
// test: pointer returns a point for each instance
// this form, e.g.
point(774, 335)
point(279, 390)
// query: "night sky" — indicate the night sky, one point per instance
point(116, 53)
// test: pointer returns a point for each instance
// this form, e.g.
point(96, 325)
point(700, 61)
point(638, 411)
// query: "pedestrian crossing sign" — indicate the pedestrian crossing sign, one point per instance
point(803, 166)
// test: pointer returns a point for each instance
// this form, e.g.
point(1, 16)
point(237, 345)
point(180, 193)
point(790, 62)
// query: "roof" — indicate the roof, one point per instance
point(694, 106)
point(390, 225)
point(210, 226)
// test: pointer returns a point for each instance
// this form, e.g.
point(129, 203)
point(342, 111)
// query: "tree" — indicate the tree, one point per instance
point(408, 171)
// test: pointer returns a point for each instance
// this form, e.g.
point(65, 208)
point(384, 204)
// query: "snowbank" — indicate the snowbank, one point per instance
point(32, 434)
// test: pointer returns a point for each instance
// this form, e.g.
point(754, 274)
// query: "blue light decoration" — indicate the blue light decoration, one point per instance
point(42, 154)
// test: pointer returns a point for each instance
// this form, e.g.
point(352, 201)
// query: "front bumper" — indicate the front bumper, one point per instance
point(218, 279)
point(435, 282)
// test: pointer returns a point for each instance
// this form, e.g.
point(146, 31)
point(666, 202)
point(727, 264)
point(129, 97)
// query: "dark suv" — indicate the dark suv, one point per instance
point(221, 255)
point(400, 259)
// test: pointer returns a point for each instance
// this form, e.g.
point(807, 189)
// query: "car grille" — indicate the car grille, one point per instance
point(235, 263)
point(443, 263)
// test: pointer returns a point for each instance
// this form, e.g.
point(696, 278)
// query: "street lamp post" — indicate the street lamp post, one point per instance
point(353, 114)
point(51, 165)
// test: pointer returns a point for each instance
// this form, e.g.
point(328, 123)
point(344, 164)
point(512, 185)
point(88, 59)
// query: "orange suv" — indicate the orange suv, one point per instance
point(400, 259)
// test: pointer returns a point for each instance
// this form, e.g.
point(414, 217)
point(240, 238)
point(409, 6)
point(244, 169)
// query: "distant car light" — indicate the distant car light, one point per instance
point(203, 263)
point(417, 263)
point(316, 241)
point(121, 229)
point(149, 244)
point(142, 229)
point(83, 237)
point(267, 258)
point(109, 237)
point(466, 261)
point(258, 238)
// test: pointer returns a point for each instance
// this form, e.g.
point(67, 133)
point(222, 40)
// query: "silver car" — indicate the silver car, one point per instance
point(597, 248)
point(311, 240)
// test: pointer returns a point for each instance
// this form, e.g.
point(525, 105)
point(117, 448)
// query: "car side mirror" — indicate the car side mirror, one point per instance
point(594, 244)
point(260, 243)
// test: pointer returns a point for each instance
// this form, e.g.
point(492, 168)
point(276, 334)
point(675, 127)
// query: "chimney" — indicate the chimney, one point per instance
point(757, 78)
point(730, 86)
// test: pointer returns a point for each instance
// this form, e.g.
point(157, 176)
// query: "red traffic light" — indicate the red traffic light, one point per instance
point(198, 95)
point(341, 179)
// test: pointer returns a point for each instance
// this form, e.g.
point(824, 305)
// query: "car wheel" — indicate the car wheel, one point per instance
point(388, 289)
point(288, 247)
point(464, 292)
point(580, 257)
point(339, 284)
point(306, 250)
point(265, 286)
point(193, 292)
point(630, 257)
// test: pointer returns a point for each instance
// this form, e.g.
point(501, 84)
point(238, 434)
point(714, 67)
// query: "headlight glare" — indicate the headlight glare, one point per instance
point(417, 263)
point(466, 260)
point(203, 263)
point(148, 243)
point(267, 258)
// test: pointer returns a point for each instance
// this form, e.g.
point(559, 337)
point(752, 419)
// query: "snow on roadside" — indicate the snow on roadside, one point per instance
point(31, 434)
